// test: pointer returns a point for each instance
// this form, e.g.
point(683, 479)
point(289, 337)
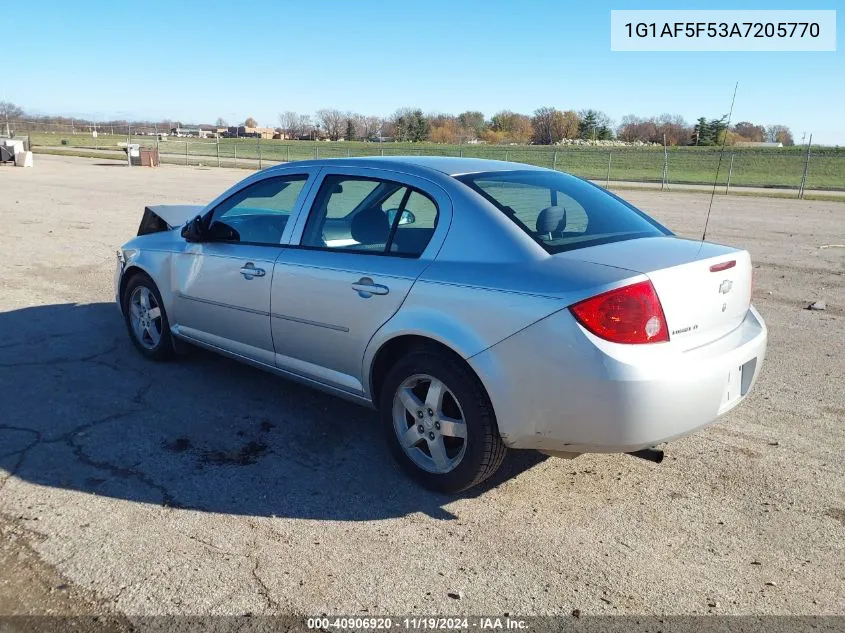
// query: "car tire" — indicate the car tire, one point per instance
point(152, 338)
point(469, 462)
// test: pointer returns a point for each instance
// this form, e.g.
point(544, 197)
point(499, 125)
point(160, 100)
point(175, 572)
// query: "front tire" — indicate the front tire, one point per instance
point(146, 319)
point(438, 421)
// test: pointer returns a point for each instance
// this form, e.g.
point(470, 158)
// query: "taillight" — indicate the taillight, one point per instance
point(631, 314)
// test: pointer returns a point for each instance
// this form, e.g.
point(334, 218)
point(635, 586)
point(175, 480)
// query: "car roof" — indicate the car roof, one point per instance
point(453, 165)
point(449, 165)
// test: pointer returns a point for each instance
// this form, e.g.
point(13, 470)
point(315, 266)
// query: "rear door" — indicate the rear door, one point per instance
point(222, 285)
point(368, 236)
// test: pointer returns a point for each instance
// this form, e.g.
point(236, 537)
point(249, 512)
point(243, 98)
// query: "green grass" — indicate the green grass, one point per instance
point(776, 168)
point(203, 161)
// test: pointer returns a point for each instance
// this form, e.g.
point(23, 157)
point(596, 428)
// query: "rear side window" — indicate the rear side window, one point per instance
point(562, 212)
point(369, 215)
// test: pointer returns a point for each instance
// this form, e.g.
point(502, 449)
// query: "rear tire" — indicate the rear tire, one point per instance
point(447, 448)
point(145, 318)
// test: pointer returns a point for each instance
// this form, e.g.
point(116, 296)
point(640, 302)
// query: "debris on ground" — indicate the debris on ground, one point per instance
point(817, 305)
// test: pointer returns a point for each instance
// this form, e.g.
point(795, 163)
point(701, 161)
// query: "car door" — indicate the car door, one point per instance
point(222, 284)
point(367, 237)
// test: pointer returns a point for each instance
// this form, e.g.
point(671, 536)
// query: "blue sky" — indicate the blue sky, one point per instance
point(199, 60)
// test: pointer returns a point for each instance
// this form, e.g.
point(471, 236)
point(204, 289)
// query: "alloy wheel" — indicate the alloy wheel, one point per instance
point(429, 423)
point(145, 317)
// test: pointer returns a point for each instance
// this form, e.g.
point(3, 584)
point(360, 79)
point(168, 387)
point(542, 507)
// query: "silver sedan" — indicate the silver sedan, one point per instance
point(478, 305)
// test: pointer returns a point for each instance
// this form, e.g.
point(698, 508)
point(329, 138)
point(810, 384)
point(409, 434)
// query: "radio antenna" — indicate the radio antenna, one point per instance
point(719, 165)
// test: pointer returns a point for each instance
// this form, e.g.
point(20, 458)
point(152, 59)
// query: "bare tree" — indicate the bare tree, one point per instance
point(651, 130)
point(369, 126)
point(333, 122)
point(674, 127)
point(779, 134)
point(290, 124)
point(9, 112)
point(304, 125)
point(250, 122)
point(221, 122)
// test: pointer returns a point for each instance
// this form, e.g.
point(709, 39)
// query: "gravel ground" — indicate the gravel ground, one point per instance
point(205, 486)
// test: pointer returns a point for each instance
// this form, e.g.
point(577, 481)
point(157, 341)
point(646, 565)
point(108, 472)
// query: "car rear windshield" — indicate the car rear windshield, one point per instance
point(562, 212)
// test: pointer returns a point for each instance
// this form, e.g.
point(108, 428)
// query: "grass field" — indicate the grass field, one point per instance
point(777, 168)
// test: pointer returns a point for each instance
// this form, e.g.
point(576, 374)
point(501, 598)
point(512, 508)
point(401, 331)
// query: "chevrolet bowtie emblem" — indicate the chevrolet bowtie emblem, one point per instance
point(726, 286)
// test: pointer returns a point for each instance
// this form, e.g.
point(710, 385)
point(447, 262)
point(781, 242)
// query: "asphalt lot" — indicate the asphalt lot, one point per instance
point(204, 486)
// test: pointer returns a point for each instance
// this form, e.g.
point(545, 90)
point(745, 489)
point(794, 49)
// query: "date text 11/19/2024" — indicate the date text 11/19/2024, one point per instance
point(417, 623)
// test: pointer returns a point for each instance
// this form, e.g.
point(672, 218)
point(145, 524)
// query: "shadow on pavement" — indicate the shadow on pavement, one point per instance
point(80, 409)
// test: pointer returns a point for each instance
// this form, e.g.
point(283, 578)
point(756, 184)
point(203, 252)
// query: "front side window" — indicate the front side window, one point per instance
point(368, 215)
point(258, 213)
point(562, 212)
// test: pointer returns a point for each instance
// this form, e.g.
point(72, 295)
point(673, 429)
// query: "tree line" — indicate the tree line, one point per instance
point(546, 126)
point(704, 131)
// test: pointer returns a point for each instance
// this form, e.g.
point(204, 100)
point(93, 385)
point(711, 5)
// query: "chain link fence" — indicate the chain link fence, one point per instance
point(796, 169)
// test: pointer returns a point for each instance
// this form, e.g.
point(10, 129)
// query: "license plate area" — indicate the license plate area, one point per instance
point(738, 383)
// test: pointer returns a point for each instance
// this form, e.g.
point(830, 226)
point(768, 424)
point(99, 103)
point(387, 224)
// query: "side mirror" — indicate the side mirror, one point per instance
point(193, 231)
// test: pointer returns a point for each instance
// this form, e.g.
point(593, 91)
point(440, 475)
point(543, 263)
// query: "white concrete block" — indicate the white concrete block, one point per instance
point(23, 159)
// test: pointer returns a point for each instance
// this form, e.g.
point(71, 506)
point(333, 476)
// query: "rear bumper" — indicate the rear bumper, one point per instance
point(556, 387)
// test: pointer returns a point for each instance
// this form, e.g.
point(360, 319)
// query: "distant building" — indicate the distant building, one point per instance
point(250, 132)
point(757, 144)
point(185, 131)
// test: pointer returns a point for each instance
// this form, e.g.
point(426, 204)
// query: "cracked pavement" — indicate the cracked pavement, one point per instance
point(204, 486)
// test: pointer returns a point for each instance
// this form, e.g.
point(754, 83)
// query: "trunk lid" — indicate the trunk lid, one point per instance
point(704, 295)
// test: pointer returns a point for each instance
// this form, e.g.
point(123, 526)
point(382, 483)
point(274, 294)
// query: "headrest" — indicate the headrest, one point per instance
point(551, 220)
point(370, 226)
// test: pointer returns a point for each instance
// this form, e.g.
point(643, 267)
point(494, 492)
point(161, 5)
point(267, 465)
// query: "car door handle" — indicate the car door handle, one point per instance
point(249, 271)
point(366, 288)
